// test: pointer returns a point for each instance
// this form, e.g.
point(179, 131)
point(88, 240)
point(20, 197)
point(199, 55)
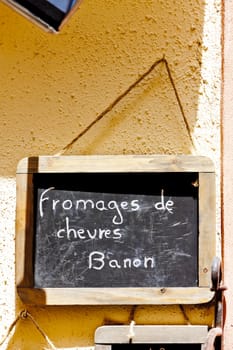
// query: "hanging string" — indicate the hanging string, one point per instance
point(10, 329)
point(126, 92)
point(23, 315)
point(179, 102)
point(131, 334)
point(186, 318)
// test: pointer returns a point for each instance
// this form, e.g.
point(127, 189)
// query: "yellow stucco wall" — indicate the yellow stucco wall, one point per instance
point(54, 85)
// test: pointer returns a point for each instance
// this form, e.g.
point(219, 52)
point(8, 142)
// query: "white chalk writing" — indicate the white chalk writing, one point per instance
point(70, 210)
point(97, 261)
point(83, 234)
point(100, 205)
point(88, 204)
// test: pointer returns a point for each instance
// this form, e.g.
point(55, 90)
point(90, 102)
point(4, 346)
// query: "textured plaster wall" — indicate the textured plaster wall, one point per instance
point(53, 86)
point(227, 163)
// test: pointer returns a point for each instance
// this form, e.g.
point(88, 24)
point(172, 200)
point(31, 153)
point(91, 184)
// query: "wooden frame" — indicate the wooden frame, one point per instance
point(84, 296)
point(106, 336)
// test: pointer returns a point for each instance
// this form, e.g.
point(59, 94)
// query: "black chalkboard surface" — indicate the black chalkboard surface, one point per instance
point(133, 229)
point(116, 230)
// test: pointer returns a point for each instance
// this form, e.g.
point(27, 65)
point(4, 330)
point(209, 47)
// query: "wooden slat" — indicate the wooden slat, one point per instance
point(116, 163)
point(115, 296)
point(24, 231)
point(207, 226)
point(152, 334)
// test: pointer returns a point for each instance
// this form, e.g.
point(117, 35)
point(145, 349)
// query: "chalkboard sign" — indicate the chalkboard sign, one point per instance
point(117, 234)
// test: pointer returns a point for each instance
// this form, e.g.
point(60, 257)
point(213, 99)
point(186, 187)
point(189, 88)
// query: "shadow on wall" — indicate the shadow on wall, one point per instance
point(56, 85)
